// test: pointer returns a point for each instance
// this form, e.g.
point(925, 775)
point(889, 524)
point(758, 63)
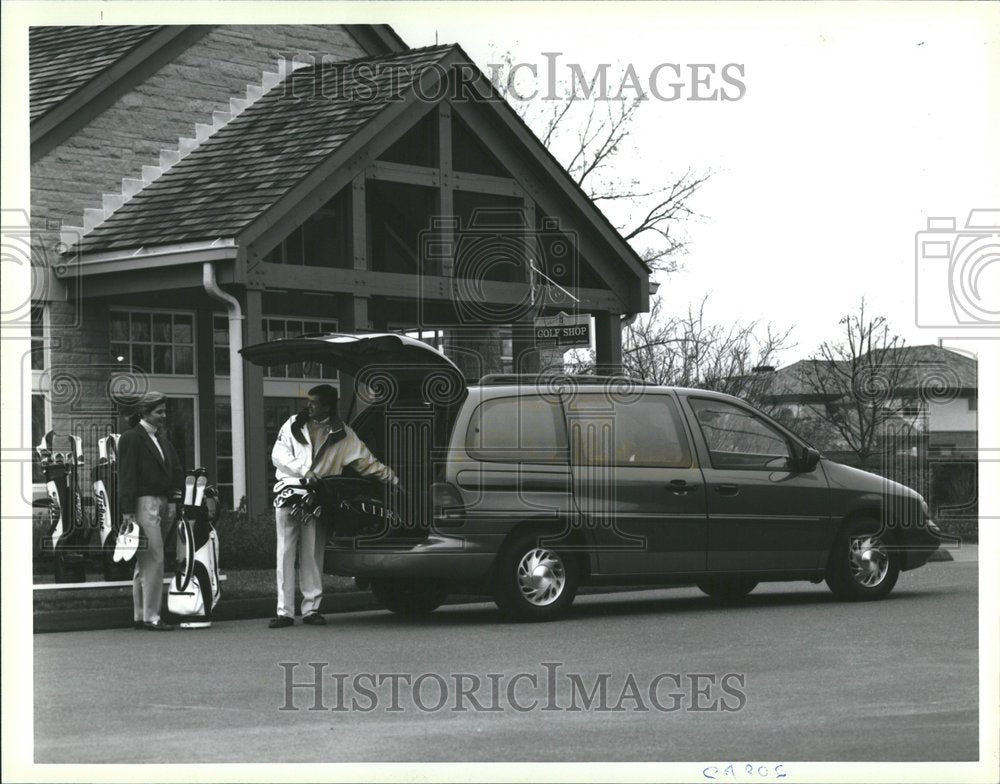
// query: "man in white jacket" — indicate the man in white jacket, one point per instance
point(312, 444)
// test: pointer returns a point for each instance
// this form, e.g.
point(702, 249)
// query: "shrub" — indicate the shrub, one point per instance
point(246, 542)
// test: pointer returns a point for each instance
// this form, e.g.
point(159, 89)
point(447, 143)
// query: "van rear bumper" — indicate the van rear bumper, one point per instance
point(441, 557)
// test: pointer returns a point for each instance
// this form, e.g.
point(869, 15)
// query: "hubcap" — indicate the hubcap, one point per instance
point(541, 576)
point(869, 560)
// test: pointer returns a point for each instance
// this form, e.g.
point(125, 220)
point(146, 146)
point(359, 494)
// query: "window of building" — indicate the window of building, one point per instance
point(38, 330)
point(277, 410)
point(38, 430)
point(523, 429)
point(275, 329)
point(220, 344)
point(182, 428)
point(39, 404)
point(641, 432)
point(224, 451)
point(281, 328)
point(321, 241)
point(432, 337)
point(469, 154)
point(736, 437)
point(160, 343)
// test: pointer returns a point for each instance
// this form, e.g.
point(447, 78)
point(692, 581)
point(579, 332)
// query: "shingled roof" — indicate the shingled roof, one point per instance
point(924, 368)
point(64, 59)
point(247, 165)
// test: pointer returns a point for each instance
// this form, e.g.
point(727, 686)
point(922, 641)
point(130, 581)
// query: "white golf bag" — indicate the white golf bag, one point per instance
point(195, 590)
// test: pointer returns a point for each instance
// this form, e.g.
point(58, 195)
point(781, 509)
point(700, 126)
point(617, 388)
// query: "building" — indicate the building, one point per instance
point(195, 189)
point(932, 399)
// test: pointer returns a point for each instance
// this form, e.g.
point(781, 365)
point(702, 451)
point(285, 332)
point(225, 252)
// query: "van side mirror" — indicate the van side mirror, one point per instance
point(806, 460)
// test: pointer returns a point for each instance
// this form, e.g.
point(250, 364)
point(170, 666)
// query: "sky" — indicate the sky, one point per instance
point(858, 123)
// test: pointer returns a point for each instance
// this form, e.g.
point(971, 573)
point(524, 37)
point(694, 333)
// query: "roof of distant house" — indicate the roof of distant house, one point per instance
point(932, 369)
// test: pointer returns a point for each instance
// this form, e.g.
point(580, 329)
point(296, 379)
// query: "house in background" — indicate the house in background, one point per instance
point(197, 188)
point(933, 405)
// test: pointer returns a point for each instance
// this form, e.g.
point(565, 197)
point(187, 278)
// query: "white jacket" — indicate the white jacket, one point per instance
point(292, 460)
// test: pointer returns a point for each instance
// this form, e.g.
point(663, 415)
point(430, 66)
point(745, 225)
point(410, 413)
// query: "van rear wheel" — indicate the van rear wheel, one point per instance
point(411, 598)
point(534, 582)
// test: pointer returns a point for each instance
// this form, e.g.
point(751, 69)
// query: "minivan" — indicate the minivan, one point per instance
point(526, 488)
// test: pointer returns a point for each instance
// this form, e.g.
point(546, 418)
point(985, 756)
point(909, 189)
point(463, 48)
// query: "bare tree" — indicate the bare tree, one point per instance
point(587, 134)
point(860, 380)
point(689, 351)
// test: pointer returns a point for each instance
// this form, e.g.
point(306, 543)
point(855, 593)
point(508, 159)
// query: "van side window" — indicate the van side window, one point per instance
point(736, 438)
point(522, 429)
point(640, 432)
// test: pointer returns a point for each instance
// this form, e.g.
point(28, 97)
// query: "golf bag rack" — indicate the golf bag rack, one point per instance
point(69, 532)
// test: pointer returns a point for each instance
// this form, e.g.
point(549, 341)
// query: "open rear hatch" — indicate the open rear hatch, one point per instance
point(410, 393)
point(409, 359)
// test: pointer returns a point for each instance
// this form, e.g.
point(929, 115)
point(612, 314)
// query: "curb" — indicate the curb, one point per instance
point(228, 610)
point(120, 617)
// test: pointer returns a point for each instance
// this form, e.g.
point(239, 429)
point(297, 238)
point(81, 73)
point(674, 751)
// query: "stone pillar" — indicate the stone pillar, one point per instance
point(608, 339)
point(256, 457)
point(526, 355)
point(475, 350)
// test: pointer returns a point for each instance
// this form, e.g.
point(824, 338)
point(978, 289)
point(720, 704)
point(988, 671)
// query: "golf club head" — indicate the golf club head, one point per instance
point(189, 482)
point(201, 482)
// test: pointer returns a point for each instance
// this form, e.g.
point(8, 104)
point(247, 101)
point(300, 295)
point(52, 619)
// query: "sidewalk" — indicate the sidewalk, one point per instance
point(249, 593)
point(246, 593)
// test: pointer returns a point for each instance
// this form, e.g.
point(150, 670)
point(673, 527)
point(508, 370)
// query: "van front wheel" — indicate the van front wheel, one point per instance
point(533, 581)
point(863, 563)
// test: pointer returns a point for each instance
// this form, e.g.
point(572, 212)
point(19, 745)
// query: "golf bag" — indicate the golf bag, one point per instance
point(109, 522)
point(68, 532)
point(195, 590)
point(357, 507)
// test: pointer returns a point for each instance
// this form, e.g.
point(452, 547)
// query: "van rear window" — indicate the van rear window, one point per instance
point(522, 429)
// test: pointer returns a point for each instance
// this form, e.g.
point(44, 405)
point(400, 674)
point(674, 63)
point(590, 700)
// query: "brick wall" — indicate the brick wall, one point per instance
point(81, 371)
point(118, 143)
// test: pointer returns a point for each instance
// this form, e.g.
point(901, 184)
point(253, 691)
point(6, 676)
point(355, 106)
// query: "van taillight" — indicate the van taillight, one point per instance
point(447, 501)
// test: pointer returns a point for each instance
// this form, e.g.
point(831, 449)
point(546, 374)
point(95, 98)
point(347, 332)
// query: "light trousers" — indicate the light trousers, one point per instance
point(307, 540)
point(147, 581)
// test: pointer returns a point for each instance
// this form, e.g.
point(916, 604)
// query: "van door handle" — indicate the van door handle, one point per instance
point(727, 489)
point(680, 487)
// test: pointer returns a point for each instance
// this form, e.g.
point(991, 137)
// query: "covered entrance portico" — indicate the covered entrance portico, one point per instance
point(429, 208)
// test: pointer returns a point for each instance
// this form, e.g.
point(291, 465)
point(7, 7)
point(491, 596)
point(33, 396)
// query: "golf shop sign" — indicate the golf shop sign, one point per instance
point(563, 330)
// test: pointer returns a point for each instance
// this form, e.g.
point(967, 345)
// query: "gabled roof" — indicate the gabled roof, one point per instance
point(63, 59)
point(298, 142)
point(924, 367)
point(251, 162)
